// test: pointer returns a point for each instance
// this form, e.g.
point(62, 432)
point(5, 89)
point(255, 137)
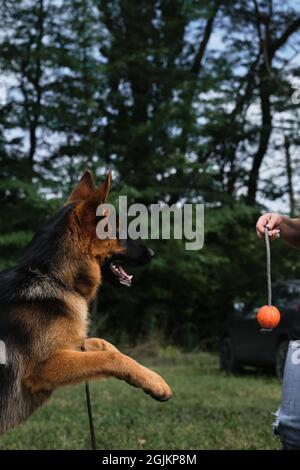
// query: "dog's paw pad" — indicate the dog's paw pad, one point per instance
point(163, 395)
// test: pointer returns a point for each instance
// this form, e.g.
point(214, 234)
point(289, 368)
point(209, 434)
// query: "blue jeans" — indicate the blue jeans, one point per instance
point(287, 424)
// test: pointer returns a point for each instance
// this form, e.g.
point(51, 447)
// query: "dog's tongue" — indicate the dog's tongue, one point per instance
point(123, 272)
point(122, 275)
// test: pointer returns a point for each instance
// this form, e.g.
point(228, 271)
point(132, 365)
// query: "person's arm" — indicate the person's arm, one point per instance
point(280, 226)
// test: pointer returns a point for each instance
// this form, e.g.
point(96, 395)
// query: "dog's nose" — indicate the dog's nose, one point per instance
point(151, 252)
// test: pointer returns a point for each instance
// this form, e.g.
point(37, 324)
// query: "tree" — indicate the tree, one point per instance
point(186, 102)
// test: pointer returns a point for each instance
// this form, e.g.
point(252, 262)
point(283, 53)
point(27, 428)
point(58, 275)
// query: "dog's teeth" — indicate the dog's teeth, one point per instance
point(130, 277)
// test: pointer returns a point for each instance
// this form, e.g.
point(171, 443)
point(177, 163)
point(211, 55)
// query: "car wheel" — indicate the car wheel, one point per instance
point(281, 353)
point(228, 362)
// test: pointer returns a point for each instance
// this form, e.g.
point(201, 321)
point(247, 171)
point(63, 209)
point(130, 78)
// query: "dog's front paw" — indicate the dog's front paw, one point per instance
point(157, 387)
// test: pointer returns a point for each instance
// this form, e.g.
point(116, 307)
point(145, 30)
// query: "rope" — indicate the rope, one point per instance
point(90, 415)
point(87, 391)
point(90, 412)
point(269, 280)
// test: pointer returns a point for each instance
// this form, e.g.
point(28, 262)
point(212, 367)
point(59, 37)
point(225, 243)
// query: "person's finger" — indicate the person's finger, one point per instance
point(261, 223)
point(273, 221)
point(259, 234)
point(264, 219)
point(274, 234)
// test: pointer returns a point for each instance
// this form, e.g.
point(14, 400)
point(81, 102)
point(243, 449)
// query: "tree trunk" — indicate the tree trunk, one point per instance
point(195, 70)
point(289, 173)
point(33, 108)
point(269, 47)
point(265, 133)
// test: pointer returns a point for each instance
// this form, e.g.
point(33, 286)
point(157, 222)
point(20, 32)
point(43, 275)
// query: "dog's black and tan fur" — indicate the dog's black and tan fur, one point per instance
point(44, 305)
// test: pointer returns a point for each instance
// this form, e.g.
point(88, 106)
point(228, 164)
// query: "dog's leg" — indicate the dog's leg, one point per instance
point(98, 344)
point(69, 367)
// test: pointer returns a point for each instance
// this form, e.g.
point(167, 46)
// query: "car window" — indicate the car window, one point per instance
point(283, 296)
point(252, 307)
point(287, 296)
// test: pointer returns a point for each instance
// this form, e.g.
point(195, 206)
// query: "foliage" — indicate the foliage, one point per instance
point(186, 102)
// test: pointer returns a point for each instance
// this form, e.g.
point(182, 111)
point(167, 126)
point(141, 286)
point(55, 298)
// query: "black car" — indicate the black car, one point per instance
point(243, 343)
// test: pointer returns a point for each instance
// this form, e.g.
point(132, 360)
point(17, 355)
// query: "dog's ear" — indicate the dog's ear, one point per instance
point(84, 189)
point(105, 187)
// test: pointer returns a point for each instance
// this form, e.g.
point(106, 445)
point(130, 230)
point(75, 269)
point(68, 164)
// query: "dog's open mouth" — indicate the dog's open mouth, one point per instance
point(120, 274)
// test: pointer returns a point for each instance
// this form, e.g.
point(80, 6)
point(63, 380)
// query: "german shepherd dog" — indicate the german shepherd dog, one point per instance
point(44, 304)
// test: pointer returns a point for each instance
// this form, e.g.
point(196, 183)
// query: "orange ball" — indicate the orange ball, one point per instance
point(268, 317)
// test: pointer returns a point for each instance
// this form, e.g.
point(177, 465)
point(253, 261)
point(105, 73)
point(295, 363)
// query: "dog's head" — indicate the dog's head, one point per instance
point(113, 253)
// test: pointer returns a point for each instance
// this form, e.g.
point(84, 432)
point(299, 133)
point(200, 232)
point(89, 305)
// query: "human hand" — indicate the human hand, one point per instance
point(271, 220)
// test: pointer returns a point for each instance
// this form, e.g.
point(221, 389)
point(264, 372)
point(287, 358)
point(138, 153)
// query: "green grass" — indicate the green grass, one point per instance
point(209, 411)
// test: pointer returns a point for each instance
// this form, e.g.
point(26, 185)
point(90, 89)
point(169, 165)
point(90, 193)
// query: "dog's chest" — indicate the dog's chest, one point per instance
point(70, 330)
point(78, 318)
